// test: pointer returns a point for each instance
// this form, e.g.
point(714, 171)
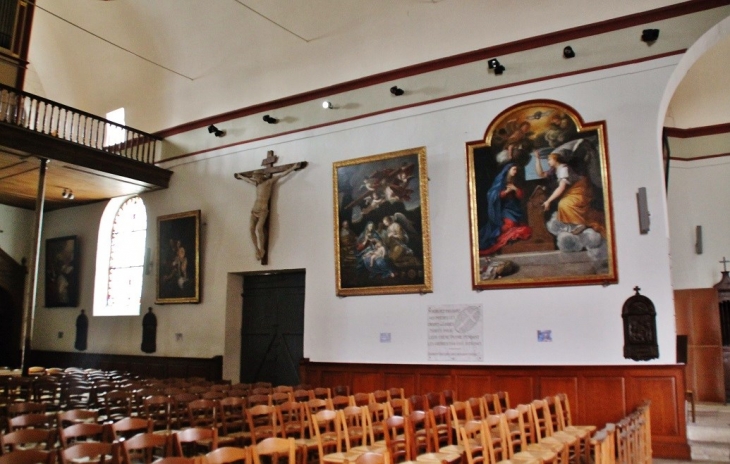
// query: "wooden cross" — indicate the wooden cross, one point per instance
point(724, 264)
point(264, 180)
point(636, 289)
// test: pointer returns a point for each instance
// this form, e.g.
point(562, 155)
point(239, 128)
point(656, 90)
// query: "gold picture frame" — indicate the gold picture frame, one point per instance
point(540, 205)
point(381, 224)
point(178, 279)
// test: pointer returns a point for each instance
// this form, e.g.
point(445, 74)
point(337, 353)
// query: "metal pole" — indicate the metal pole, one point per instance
point(32, 282)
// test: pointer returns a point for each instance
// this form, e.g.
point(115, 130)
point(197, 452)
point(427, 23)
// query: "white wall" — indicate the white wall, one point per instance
point(15, 224)
point(586, 321)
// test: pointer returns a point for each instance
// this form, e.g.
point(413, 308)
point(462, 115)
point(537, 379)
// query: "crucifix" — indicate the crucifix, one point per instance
point(264, 179)
point(724, 264)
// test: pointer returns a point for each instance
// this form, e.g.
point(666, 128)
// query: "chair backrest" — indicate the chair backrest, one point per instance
point(563, 406)
point(280, 397)
point(226, 455)
point(323, 393)
point(21, 439)
point(276, 448)
point(380, 396)
point(303, 396)
point(174, 460)
point(190, 436)
point(118, 405)
point(490, 405)
point(142, 446)
point(82, 432)
point(25, 421)
point(494, 439)
point(371, 458)
point(282, 389)
point(362, 399)
point(460, 415)
point(400, 407)
point(26, 407)
point(258, 399)
point(31, 456)
point(341, 390)
point(76, 416)
point(434, 399)
point(130, 426)
point(341, 402)
point(94, 452)
point(541, 421)
point(419, 433)
point(395, 392)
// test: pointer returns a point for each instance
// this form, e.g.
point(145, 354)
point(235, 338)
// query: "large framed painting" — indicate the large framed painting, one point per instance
point(382, 235)
point(178, 250)
point(62, 272)
point(540, 200)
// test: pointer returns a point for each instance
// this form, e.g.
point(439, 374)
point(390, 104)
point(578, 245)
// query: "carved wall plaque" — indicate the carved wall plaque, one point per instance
point(640, 337)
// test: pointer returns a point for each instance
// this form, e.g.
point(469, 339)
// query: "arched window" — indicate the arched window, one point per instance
point(120, 258)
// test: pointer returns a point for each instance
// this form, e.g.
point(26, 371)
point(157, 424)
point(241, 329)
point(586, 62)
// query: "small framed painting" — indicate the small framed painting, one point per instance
point(540, 200)
point(382, 235)
point(178, 251)
point(62, 272)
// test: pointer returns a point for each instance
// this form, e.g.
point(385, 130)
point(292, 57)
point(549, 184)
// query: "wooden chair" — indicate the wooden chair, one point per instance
point(460, 415)
point(226, 455)
point(516, 441)
point(495, 442)
point(256, 400)
point(442, 431)
point(380, 396)
point(543, 430)
point(328, 434)
point(187, 442)
point(280, 397)
point(302, 396)
point(395, 392)
point(423, 447)
point(31, 456)
point(558, 420)
point(118, 405)
point(158, 409)
point(291, 420)
point(47, 390)
point(143, 446)
point(82, 432)
point(371, 458)
point(38, 439)
point(470, 434)
point(180, 404)
point(531, 439)
point(501, 401)
point(400, 407)
point(176, 460)
point(361, 399)
point(90, 452)
point(323, 393)
point(77, 395)
point(601, 449)
point(396, 441)
point(342, 390)
point(276, 448)
point(233, 417)
point(261, 422)
point(432, 399)
point(203, 413)
point(490, 405)
point(377, 413)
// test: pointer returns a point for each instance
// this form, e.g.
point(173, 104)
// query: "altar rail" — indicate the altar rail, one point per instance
point(47, 117)
point(159, 367)
point(597, 394)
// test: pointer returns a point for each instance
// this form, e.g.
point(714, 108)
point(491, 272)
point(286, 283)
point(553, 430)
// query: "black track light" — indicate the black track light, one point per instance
point(649, 35)
point(215, 131)
point(568, 52)
point(397, 91)
point(270, 119)
point(496, 65)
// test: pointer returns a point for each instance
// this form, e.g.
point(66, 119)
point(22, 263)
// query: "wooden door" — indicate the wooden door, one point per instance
point(272, 332)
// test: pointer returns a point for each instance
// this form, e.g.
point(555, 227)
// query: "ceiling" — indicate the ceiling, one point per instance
point(169, 62)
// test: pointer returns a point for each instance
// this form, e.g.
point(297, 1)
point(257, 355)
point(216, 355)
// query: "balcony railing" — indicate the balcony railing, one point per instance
point(48, 117)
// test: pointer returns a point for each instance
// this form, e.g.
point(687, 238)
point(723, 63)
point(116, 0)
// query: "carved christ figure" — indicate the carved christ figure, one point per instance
point(264, 180)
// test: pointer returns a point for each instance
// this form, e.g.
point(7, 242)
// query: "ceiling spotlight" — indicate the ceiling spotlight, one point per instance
point(397, 91)
point(568, 52)
point(67, 194)
point(649, 35)
point(215, 131)
point(327, 105)
point(270, 120)
point(495, 64)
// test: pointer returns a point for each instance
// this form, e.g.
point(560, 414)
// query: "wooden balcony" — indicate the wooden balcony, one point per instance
point(81, 158)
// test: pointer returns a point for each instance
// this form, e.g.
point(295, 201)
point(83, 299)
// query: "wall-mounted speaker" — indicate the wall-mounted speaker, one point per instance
point(643, 207)
point(698, 240)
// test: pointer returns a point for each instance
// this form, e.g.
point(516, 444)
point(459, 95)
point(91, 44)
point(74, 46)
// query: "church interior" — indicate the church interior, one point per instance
point(308, 187)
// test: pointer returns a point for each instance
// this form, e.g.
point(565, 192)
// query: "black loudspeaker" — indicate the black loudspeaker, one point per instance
point(643, 207)
point(681, 349)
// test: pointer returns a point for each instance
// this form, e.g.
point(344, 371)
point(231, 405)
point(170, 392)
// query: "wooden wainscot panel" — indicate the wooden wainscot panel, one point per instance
point(471, 385)
point(332, 378)
point(521, 388)
point(553, 385)
point(406, 381)
point(705, 317)
point(603, 400)
point(709, 380)
point(366, 382)
point(428, 382)
point(662, 392)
